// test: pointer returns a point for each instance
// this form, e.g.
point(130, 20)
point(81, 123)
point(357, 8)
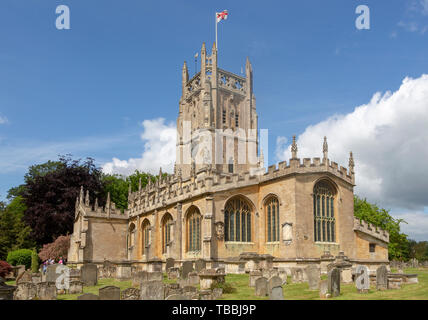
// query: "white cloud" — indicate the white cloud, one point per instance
point(159, 150)
point(389, 138)
point(3, 120)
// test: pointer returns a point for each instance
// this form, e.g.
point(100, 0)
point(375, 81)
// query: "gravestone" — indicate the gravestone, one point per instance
point(74, 274)
point(138, 277)
point(191, 289)
point(261, 287)
point(109, 293)
point(313, 274)
point(297, 275)
point(173, 273)
point(193, 278)
point(217, 293)
point(46, 291)
point(88, 296)
point(186, 268)
point(324, 289)
point(282, 273)
point(6, 292)
point(170, 263)
point(205, 295)
point(276, 293)
point(254, 275)
point(75, 287)
point(51, 274)
point(200, 264)
point(381, 278)
point(152, 290)
point(273, 282)
point(25, 291)
point(156, 275)
point(89, 274)
point(362, 280)
point(130, 294)
point(36, 278)
point(177, 296)
point(172, 288)
point(24, 277)
point(334, 282)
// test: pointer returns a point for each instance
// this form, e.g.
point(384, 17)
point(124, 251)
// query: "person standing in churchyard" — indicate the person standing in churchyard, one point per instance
point(45, 266)
point(60, 260)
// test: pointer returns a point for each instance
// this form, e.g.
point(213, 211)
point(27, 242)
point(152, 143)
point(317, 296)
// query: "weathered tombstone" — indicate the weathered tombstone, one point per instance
point(138, 277)
point(152, 290)
point(273, 282)
point(157, 275)
point(46, 291)
point(51, 274)
point(200, 264)
point(282, 273)
point(172, 288)
point(191, 289)
point(193, 278)
point(205, 295)
point(36, 278)
point(334, 282)
point(324, 289)
point(381, 278)
point(217, 293)
point(25, 276)
point(89, 274)
point(88, 296)
point(254, 275)
point(177, 296)
point(74, 274)
point(362, 280)
point(297, 275)
point(170, 263)
point(313, 274)
point(130, 294)
point(261, 287)
point(109, 293)
point(25, 291)
point(186, 268)
point(173, 273)
point(75, 287)
point(276, 293)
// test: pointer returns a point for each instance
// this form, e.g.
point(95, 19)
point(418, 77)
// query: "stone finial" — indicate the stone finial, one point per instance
point(87, 198)
point(129, 188)
point(325, 148)
point(160, 174)
point(77, 202)
point(351, 164)
point(203, 50)
point(294, 148)
point(96, 204)
point(108, 203)
point(81, 198)
point(139, 184)
point(214, 50)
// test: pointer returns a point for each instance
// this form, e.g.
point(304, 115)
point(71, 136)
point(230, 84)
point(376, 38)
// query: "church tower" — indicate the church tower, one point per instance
point(217, 120)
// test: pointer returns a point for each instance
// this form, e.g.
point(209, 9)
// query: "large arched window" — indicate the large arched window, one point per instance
point(237, 220)
point(145, 228)
point(272, 219)
point(194, 220)
point(166, 231)
point(324, 221)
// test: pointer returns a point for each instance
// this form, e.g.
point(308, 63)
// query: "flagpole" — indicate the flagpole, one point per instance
point(216, 41)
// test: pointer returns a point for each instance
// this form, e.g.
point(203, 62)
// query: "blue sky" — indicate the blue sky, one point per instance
point(87, 90)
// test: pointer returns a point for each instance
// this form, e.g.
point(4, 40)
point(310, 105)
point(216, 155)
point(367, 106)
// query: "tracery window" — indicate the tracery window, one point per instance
point(272, 219)
point(324, 220)
point(145, 233)
point(237, 220)
point(194, 220)
point(166, 231)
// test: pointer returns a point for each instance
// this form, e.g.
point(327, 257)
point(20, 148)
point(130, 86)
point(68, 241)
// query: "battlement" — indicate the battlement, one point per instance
point(367, 228)
point(172, 189)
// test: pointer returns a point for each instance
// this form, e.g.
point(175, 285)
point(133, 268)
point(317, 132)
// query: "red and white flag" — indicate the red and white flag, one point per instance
point(221, 15)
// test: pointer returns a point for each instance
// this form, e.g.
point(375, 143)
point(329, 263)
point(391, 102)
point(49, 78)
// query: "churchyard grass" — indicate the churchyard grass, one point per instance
point(292, 291)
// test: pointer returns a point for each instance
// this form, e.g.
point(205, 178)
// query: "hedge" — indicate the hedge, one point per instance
point(20, 257)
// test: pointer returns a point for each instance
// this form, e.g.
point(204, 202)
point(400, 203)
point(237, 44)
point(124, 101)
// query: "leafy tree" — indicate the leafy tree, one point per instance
point(418, 250)
point(20, 256)
point(118, 186)
point(55, 250)
point(398, 248)
point(50, 197)
point(34, 261)
point(14, 233)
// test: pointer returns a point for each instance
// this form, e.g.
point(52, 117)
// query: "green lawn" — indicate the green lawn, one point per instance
point(300, 291)
point(292, 291)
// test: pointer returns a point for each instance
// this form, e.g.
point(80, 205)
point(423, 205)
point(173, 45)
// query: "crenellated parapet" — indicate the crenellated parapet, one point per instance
point(370, 229)
point(87, 209)
point(173, 189)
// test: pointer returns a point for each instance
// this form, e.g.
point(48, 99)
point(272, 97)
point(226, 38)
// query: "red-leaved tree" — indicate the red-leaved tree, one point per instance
point(5, 269)
point(56, 249)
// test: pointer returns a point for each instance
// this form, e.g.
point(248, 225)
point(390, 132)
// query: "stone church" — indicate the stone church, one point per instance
point(221, 205)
